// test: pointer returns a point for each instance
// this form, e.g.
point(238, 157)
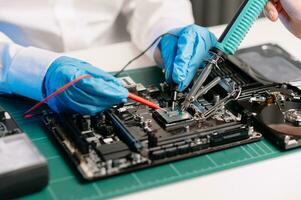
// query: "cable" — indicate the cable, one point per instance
point(143, 52)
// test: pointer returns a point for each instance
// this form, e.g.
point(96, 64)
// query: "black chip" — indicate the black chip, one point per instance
point(113, 151)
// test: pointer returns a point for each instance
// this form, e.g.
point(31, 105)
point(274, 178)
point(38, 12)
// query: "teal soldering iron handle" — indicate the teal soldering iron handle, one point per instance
point(240, 25)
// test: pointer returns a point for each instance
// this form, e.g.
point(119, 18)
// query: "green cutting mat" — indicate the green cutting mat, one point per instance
point(65, 185)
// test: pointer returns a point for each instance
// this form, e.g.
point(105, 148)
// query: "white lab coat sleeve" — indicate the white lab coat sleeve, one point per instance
point(151, 18)
point(22, 69)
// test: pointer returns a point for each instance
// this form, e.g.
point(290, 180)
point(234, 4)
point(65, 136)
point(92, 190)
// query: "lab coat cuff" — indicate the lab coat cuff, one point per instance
point(27, 71)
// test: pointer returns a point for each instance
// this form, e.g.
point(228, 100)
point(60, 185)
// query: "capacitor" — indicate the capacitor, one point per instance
point(152, 139)
point(187, 129)
point(147, 123)
point(174, 99)
point(216, 99)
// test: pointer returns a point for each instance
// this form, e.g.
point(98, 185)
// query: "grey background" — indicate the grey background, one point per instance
point(214, 12)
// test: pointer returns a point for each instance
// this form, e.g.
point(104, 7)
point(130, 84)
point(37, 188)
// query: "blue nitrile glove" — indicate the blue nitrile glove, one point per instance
point(183, 55)
point(89, 95)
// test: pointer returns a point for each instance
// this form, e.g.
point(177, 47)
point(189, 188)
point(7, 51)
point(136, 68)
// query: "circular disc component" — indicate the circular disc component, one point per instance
point(287, 121)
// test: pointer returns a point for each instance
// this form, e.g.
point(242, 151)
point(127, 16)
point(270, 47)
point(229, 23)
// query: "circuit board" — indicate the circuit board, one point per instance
point(132, 136)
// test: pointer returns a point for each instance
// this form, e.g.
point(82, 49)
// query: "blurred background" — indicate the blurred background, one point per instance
point(214, 12)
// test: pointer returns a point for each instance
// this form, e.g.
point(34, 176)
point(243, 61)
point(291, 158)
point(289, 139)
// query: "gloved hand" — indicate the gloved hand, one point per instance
point(183, 55)
point(89, 95)
point(289, 12)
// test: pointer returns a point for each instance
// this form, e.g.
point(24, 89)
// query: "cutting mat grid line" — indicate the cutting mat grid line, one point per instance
point(64, 183)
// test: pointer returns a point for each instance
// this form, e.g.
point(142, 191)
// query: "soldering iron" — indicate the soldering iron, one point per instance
point(227, 44)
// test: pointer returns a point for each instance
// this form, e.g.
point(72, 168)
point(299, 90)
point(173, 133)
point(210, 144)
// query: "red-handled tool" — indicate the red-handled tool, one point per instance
point(134, 97)
point(143, 101)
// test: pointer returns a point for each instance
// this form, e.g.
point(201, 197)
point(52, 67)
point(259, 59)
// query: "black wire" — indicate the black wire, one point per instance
point(143, 52)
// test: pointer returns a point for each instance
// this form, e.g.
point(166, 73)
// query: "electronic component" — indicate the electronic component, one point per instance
point(293, 116)
point(128, 83)
point(276, 110)
point(172, 119)
point(23, 169)
point(283, 123)
point(230, 109)
point(276, 106)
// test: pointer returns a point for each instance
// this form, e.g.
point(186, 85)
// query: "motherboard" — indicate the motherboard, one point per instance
point(233, 108)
